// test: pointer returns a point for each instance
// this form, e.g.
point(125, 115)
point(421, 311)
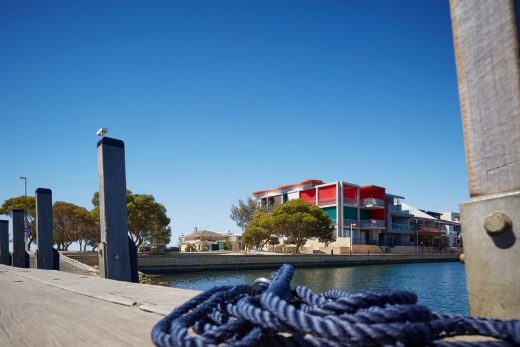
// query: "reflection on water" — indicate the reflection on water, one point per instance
point(440, 286)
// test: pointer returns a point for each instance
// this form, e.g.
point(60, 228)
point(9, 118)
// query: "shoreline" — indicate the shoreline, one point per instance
point(161, 264)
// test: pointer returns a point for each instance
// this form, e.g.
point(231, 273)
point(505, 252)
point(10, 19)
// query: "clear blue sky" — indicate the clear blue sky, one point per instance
point(217, 99)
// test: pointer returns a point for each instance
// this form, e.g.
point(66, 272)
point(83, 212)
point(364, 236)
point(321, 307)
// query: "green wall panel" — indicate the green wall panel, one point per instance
point(349, 213)
point(364, 214)
point(331, 211)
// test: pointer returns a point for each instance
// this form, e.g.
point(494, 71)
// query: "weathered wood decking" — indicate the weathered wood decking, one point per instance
point(53, 308)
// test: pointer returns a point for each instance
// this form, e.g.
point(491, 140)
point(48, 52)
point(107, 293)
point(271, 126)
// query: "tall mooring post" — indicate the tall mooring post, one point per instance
point(20, 256)
point(117, 257)
point(46, 256)
point(5, 256)
point(485, 35)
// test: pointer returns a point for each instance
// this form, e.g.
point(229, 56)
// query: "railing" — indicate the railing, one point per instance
point(349, 201)
point(327, 201)
point(398, 209)
point(365, 242)
point(348, 222)
point(401, 227)
point(372, 223)
point(372, 202)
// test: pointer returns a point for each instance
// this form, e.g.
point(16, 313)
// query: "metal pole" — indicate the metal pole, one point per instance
point(351, 236)
point(416, 237)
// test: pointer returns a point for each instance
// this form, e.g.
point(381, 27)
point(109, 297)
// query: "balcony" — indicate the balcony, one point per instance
point(327, 201)
point(349, 201)
point(398, 210)
point(406, 228)
point(348, 222)
point(372, 203)
point(372, 224)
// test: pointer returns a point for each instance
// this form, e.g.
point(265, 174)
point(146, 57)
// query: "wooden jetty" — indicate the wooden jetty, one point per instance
point(56, 308)
point(52, 308)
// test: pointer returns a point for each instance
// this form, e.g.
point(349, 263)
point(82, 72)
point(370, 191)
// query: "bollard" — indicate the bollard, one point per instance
point(485, 35)
point(20, 256)
point(5, 256)
point(46, 254)
point(115, 261)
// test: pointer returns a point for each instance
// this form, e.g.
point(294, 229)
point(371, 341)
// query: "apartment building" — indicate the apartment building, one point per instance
point(363, 215)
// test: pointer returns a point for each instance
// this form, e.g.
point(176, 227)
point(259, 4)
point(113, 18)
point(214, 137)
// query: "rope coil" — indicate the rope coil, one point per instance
point(271, 314)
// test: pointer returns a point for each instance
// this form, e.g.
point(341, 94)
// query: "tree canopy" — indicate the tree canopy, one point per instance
point(245, 211)
point(72, 223)
point(258, 230)
point(297, 220)
point(28, 204)
point(147, 219)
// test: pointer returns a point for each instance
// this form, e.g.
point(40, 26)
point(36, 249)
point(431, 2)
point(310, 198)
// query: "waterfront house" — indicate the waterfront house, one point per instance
point(205, 240)
point(366, 218)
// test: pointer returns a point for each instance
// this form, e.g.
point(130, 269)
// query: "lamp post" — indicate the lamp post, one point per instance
point(25, 183)
point(416, 238)
point(351, 225)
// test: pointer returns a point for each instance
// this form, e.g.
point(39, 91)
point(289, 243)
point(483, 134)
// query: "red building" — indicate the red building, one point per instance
point(374, 216)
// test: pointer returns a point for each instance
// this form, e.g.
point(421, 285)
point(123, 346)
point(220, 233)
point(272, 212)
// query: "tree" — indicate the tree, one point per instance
point(252, 237)
point(190, 247)
point(147, 219)
point(258, 230)
point(245, 211)
point(299, 221)
point(26, 203)
point(69, 221)
point(228, 245)
point(274, 240)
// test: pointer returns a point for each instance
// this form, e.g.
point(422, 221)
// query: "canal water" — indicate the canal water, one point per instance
point(440, 286)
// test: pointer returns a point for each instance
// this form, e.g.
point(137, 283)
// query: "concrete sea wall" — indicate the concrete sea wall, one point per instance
point(204, 262)
point(184, 262)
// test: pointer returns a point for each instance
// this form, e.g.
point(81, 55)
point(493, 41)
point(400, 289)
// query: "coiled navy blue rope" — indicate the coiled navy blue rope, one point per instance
point(271, 314)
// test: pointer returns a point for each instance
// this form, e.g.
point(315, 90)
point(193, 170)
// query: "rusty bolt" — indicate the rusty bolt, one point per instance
point(497, 223)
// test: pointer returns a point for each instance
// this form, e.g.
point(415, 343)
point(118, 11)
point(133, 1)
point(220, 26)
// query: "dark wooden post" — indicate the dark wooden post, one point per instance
point(20, 256)
point(485, 35)
point(114, 250)
point(5, 257)
point(46, 254)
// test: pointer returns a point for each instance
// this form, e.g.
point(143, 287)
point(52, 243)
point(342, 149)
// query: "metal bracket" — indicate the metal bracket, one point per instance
point(491, 234)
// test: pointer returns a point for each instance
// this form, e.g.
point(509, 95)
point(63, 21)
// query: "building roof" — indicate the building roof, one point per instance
point(416, 212)
point(207, 235)
point(289, 186)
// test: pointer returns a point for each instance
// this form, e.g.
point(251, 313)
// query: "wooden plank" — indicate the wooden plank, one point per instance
point(488, 69)
point(52, 308)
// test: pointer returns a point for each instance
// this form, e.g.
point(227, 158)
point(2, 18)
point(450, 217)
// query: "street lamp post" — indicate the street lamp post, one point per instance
point(416, 238)
point(25, 183)
point(351, 225)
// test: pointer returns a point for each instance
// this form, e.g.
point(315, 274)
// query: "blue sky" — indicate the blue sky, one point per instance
point(217, 99)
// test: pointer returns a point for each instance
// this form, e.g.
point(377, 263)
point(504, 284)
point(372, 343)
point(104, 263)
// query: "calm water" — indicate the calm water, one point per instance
point(440, 286)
